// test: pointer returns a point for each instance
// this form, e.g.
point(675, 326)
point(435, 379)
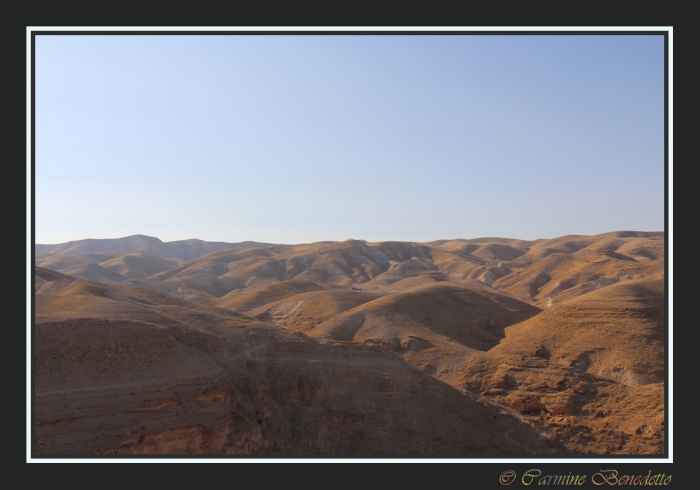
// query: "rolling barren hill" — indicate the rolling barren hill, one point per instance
point(616, 333)
point(542, 272)
point(247, 299)
point(591, 370)
point(317, 348)
point(47, 281)
point(560, 269)
point(180, 249)
point(127, 370)
point(429, 325)
point(106, 267)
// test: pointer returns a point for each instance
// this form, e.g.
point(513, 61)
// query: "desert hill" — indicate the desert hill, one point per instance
point(46, 281)
point(432, 326)
point(106, 267)
point(249, 298)
point(563, 338)
point(468, 313)
point(557, 270)
point(179, 249)
point(616, 333)
point(304, 311)
point(590, 370)
point(587, 414)
point(542, 272)
point(128, 370)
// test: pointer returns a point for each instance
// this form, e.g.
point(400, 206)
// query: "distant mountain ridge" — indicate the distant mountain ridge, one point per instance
point(541, 272)
point(180, 249)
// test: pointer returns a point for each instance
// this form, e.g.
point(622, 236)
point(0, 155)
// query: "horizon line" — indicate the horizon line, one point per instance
point(347, 239)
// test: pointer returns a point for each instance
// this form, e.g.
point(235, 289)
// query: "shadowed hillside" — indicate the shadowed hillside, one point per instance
point(591, 371)
point(247, 299)
point(126, 370)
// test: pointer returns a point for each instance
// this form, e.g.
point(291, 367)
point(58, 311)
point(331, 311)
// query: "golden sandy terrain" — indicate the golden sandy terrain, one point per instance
point(460, 347)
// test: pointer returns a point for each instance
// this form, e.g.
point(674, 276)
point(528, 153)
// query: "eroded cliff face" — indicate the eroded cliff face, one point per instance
point(111, 387)
point(584, 413)
point(588, 373)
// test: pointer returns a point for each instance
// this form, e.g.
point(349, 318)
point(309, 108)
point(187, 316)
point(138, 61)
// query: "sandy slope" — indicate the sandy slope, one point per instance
point(616, 333)
point(543, 272)
point(125, 370)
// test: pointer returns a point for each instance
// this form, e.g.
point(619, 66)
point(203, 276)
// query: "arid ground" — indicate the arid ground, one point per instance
point(489, 346)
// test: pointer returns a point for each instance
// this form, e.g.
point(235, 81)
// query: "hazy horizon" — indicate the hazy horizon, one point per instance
point(337, 241)
point(304, 138)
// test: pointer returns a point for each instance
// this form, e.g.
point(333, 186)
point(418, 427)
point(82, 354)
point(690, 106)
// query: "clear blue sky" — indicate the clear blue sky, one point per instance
point(293, 139)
